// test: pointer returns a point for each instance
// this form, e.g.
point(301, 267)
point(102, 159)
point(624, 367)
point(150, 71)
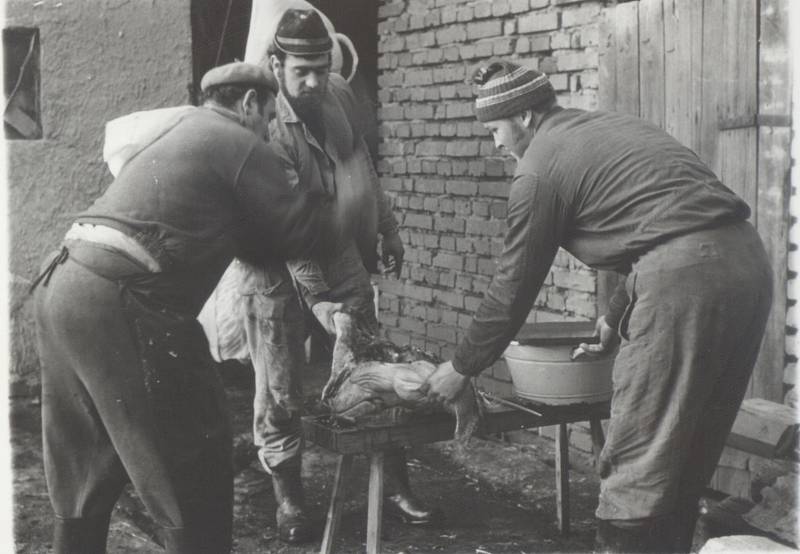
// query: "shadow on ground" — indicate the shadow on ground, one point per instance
point(497, 497)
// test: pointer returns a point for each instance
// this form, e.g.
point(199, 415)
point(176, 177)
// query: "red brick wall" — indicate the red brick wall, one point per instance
point(448, 184)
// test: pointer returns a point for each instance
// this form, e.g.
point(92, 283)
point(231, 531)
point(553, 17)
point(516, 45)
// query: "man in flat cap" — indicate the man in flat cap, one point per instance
point(620, 194)
point(320, 127)
point(129, 391)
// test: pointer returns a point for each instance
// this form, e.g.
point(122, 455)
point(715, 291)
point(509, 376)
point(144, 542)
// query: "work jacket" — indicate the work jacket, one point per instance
point(203, 190)
point(607, 188)
point(340, 168)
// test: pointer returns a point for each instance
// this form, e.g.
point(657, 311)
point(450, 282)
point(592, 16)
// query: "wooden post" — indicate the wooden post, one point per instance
point(562, 478)
point(337, 503)
point(774, 167)
point(375, 503)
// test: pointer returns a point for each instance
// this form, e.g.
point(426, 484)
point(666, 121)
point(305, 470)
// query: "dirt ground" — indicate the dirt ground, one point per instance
point(497, 497)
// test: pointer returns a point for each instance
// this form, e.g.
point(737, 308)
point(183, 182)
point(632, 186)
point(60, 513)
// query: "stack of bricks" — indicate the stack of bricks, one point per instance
point(448, 183)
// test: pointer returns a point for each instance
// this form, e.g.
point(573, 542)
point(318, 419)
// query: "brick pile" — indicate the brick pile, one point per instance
point(448, 183)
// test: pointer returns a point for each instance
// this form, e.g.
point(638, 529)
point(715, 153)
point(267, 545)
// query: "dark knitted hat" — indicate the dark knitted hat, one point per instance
point(302, 33)
point(506, 89)
point(239, 73)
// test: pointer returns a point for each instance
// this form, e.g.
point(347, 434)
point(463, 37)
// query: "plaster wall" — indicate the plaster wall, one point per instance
point(99, 59)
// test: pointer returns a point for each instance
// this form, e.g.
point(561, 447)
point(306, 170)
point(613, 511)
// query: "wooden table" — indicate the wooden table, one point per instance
point(421, 429)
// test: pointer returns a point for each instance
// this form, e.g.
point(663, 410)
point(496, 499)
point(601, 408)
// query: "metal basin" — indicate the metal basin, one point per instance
point(547, 374)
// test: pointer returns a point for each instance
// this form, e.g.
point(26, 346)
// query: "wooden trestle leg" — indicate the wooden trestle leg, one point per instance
point(337, 503)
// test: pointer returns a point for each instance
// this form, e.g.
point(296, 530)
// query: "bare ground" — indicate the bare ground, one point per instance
point(497, 497)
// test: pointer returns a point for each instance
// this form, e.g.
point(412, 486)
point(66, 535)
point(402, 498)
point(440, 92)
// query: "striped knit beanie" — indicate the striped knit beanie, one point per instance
point(506, 89)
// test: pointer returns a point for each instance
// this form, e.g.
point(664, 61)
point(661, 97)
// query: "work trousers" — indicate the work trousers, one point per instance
point(276, 327)
point(690, 338)
point(129, 394)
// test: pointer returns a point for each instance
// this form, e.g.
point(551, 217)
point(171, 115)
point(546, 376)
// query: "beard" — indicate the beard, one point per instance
point(307, 105)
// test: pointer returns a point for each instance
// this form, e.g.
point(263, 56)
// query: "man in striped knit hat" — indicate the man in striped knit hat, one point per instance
point(620, 194)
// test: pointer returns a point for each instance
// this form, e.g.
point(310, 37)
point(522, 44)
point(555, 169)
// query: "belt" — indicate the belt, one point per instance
point(108, 236)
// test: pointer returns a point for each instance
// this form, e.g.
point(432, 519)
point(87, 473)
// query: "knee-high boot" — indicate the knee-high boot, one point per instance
point(293, 524)
point(400, 501)
point(684, 524)
point(646, 535)
point(80, 535)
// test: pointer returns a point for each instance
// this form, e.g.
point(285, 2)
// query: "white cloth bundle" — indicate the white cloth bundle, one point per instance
point(128, 135)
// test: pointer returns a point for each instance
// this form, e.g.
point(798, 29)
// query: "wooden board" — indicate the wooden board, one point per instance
point(774, 160)
point(375, 503)
point(618, 90)
point(730, 93)
point(683, 23)
point(607, 62)
point(732, 481)
point(717, 75)
point(439, 427)
point(713, 84)
point(626, 23)
point(773, 226)
point(764, 422)
point(738, 54)
point(651, 61)
point(774, 59)
point(737, 161)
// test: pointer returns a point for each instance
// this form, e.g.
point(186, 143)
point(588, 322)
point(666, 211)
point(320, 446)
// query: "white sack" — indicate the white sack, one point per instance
point(128, 135)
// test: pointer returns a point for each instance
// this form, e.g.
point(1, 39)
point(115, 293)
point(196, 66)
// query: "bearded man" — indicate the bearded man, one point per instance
point(320, 128)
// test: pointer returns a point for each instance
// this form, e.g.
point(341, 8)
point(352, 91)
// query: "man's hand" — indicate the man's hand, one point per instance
point(608, 340)
point(324, 311)
point(392, 254)
point(445, 384)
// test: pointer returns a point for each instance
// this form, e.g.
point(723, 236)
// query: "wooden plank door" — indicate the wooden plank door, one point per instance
point(695, 68)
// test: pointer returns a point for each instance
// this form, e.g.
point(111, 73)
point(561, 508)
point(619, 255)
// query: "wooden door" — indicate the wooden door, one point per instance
point(715, 75)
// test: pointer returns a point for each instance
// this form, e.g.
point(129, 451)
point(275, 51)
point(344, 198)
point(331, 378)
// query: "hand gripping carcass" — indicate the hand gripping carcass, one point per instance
point(369, 376)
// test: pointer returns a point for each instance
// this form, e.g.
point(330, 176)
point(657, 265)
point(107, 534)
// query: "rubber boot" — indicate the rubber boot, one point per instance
point(80, 535)
point(186, 541)
point(685, 522)
point(293, 524)
point(646, 535)
point(176, 541)
point(400, 501)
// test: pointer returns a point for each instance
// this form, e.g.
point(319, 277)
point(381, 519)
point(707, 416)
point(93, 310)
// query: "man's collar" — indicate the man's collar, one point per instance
point(547, 116)
point(226, 112)
point(284, 110)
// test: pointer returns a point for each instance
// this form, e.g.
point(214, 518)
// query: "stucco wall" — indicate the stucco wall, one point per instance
point(99, 59)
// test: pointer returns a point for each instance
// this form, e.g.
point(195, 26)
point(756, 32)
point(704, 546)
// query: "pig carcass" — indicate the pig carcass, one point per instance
point(369, 376)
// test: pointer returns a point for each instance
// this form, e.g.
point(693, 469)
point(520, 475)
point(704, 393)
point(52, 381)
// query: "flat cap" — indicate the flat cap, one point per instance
point(239, 73)
point(302, 33)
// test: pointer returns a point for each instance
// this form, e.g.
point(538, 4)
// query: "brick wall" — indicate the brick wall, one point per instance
point(448, 184)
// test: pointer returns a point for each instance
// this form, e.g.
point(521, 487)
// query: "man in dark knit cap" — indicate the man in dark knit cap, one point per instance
point(129, 391)
point(320, 128)
point(620, 194)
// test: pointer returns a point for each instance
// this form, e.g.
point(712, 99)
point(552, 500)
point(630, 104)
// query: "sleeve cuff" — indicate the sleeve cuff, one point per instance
point(462, 368)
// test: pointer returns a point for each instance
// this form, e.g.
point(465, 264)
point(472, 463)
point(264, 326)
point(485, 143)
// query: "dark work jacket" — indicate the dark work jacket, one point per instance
point(205, 191)
point(606, 187)
point(341, 167)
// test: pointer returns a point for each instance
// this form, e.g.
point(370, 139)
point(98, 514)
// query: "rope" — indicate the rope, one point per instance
point(224, 31)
